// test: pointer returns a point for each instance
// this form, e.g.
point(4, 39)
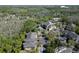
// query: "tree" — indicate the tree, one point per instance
point(29, 25)
point(11, 44)
point(77, 29)
point(64, 19)
point(71, 42)
point(76, 47)
point(50, 47)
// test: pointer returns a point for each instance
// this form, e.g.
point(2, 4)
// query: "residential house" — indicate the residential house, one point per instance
point(69, 35)
point(34, 40)
point(63, 50)
point(48, 26)
point(41, 43)
point(62, 39)
point(56, 19)
point(30, 41)
point(77, 40)
point(70, 27)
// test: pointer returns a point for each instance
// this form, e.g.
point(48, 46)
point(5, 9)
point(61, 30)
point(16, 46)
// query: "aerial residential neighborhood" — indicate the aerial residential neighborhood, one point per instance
point(39, 29)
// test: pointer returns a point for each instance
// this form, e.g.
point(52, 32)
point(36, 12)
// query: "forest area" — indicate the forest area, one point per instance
point(17, 21)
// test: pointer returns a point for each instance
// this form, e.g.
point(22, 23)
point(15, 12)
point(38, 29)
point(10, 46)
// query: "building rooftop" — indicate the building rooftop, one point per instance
point(42, 40)
point(77, 40)
point(45, 25)
point(64, 50)
point(70, 34)
point(31, 40)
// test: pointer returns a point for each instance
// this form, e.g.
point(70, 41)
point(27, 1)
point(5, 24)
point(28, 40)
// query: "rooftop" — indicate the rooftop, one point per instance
point(64, 50)
point(42, 40)
point(31, 40)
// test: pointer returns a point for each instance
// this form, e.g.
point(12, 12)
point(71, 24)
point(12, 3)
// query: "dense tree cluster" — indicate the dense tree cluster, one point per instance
point(11, 44)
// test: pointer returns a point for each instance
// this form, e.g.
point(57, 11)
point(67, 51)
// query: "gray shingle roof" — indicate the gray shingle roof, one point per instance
point(77, 40)
point(64, 50)
point(62, 38)
point(33, 40)
point(45, 25)
point(70, 34)
point(42, 40)
point(67, 50)
point(30, 41)
point(29, 44)
point(42, 49)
